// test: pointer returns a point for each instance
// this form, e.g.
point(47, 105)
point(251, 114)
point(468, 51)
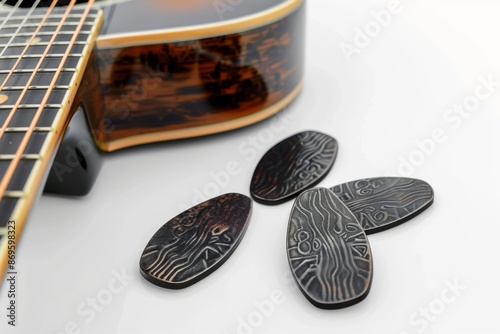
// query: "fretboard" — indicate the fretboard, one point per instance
point(41, 66)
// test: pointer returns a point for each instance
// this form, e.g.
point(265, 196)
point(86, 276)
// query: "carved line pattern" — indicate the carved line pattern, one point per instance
point(381, 201)
point(196, 240)
point(328, 250)
point(294, 164)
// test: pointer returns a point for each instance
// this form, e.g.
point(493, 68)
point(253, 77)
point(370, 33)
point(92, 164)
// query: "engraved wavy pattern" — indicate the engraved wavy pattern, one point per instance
point(198, 241)
point(328, 251)
point(380, 203)
point(293, 165)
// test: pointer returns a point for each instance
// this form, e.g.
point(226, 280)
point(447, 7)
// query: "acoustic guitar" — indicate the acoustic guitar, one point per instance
point(142, 71)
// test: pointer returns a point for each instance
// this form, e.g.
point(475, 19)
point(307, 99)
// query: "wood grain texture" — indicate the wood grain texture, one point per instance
point(197, 242)
point(293, 165)
point(328, 251)
point(385, 202)
point(153, 89)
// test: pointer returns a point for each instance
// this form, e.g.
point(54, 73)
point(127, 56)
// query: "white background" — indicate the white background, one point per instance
point(394, 93)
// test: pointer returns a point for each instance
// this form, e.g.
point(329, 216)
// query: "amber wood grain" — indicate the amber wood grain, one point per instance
point(197, 86)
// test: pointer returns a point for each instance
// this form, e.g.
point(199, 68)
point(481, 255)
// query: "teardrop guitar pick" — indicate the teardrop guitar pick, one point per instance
point(328, 251)
point(195, 243)
point(385, 202)
point(292, 166)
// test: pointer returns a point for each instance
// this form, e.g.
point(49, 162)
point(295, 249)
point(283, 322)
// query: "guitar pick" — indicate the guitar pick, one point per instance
point(292, 166)
point(328, 251)
point(384, 202)
point(195, 243)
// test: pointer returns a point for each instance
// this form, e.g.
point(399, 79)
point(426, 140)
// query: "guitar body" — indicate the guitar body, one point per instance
point(142, 71)
point(168, 81)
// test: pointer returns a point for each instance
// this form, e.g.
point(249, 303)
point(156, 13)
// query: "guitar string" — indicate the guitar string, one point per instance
point(22, 147)
point(27, 136)
point(11, 12)
point(11, 114)
point(24, 52)
point(20, 27)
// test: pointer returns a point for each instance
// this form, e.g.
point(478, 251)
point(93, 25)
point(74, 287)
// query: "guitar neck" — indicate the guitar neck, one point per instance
point(43, 56)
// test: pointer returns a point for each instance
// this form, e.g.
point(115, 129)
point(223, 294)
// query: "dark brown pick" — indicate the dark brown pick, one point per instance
point(292, 166)
point(195, 243)
point(328, 251)
point(384, 202)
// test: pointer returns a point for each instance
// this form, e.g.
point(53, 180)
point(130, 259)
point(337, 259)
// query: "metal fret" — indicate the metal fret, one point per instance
point(53, 16)
point(44, 38)
point(49, 23)
point(54, 55)
point(45, 28)
point(14, 194)
point(10, 157)
point(7, 88)
point(44, 33)
point(42, 70)
point(41, 44)
point(31, 106)
point(24, 129)
point(36, 24)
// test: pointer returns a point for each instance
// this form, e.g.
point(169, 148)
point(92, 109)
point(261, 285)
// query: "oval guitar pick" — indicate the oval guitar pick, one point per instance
point(384, 202)
point(328, 251)
point(292, 166)
point(197, 242)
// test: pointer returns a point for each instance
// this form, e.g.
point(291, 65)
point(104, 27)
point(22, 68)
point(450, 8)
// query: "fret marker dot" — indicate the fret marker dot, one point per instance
point(3, 98)
point(35, 40)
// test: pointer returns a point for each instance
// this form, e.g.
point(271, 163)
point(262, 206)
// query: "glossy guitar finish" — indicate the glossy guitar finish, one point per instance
point(152, 76)
point(159, 88)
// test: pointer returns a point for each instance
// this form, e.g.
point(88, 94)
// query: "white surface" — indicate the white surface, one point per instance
point(395, 92)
